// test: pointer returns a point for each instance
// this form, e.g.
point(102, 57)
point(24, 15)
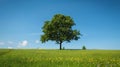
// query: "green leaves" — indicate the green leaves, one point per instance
point(59, 29)
point(44, 38)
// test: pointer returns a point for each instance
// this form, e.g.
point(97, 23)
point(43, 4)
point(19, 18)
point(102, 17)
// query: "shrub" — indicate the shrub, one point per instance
point(83, 48)
point(63, 48)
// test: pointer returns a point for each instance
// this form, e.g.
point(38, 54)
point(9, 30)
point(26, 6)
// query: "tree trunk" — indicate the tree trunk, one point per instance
point(60, 45)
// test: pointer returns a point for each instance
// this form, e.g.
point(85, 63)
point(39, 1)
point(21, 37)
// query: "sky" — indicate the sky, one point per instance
point(97, 20)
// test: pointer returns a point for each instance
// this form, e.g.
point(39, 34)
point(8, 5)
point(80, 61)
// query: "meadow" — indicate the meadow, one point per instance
point(59, 58)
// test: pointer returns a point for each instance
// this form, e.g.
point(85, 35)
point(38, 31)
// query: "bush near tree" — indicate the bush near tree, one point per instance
point(83, 48)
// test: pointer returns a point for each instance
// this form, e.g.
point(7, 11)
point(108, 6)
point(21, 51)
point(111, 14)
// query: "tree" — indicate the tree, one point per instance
point(59, 29)
point(84, 48)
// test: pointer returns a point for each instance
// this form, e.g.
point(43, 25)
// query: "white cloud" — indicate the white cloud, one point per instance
point(2, 43)
point(37, 41)
point(10, 47)
point(24, 43)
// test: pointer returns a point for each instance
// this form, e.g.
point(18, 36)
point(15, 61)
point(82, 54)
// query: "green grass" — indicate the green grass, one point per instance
point(59, 58)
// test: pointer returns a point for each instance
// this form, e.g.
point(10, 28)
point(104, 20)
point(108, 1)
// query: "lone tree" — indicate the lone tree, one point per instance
point(59, 29)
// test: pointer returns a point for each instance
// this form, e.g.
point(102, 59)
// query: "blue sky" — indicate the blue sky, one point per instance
point(97, 20)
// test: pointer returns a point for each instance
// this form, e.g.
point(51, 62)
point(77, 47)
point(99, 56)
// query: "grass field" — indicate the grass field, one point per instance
point(59, 58)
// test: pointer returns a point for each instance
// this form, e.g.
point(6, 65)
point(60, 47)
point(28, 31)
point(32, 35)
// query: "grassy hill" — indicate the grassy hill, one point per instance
point(59, 58)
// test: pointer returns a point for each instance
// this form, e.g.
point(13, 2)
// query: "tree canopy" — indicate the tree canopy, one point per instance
point(59, 29)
